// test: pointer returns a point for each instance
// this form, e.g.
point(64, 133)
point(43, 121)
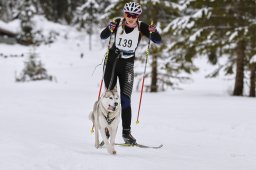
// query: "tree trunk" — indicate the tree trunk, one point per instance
point(153, 87)
point(252, 81)
point(239, 81)
point(5, 11)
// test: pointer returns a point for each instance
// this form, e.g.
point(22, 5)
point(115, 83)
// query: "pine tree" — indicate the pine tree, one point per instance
point(88, 16)
point(26, 14)
point(217, 28)
point(58, 10)
point(33, 69)
point(252, 67)
point(167, 68)
point(6, 9)
point(1, 10)
point(63, 11)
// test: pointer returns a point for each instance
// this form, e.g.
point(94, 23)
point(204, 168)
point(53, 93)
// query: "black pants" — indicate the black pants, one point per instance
point(124, 70)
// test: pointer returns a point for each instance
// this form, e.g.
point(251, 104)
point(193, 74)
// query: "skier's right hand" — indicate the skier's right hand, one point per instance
point(152, 28)
point(112, 26)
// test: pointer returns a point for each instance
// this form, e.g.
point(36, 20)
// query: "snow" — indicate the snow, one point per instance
point(253, 59)
point(185, 4)
point(195, 35)
point(201, 12)
point(88, 4)
point(12, 27)
point(155, 1)
point(232, 36)
point(180, 22)
point(44, 125)
point(42, 24)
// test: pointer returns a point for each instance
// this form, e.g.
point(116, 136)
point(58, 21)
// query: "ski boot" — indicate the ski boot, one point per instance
point(128, 138)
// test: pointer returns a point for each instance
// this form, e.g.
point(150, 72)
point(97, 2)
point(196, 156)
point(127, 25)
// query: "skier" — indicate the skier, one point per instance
point(127, 31)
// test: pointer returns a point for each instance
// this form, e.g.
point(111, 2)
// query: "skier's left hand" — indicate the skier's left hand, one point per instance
point(152, 28)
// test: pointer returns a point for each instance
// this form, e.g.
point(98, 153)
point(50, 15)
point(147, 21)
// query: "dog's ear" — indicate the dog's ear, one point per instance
point(105, 94)
point(115, 89)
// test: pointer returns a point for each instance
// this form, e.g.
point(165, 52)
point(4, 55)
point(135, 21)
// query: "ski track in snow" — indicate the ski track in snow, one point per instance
point(44, 125)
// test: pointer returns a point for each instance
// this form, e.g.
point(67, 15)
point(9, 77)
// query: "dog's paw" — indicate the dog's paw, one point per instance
point(114, 152)
point(111, 150)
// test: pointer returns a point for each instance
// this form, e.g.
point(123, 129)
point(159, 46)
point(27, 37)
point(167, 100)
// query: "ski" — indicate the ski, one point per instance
point(134, 145)
point(139, 145)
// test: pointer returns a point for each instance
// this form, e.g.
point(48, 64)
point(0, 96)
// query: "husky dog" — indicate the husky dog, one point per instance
point(105, 117)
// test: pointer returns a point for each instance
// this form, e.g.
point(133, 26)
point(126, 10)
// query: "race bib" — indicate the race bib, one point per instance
point(127, 42)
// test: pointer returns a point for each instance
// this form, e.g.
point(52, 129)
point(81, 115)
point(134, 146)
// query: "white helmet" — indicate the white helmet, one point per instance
point(133, 7)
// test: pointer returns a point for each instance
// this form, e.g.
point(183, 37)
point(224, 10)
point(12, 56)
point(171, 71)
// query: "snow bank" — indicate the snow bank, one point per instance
point(12, 27)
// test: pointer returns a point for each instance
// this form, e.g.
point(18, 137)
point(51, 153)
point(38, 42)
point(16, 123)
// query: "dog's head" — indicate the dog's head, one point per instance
point(110, 100)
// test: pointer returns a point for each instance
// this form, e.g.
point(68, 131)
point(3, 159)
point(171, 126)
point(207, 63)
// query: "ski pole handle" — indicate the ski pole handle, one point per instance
point(151, 27)
point(112, 26)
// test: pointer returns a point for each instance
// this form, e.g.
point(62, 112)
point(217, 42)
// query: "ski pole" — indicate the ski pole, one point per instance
point(105, 62)
point(142, 86)
point(104, 66)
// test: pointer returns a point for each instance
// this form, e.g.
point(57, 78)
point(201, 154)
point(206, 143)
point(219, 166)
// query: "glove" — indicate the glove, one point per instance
point(152, 28)
point(112, 26)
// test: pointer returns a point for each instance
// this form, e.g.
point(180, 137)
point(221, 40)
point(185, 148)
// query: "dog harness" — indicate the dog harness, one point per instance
point(109, 121)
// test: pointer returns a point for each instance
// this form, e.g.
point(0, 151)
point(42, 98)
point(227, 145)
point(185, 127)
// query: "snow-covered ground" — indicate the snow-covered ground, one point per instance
point(44, 125)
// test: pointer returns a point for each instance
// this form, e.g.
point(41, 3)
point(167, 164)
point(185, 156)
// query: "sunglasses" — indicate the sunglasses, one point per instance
point(129, 15)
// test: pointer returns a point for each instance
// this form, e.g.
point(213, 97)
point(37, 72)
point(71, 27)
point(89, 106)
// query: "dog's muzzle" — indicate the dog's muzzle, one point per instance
point(112, 108)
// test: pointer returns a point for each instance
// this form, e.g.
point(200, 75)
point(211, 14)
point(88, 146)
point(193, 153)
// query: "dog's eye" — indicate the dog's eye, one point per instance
point(111, 98)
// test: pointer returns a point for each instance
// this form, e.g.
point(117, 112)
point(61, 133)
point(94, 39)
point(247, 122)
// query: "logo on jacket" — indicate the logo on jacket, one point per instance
point(129, 78)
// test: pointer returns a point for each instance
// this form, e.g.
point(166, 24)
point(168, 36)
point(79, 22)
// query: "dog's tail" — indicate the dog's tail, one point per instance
point(91, 116)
